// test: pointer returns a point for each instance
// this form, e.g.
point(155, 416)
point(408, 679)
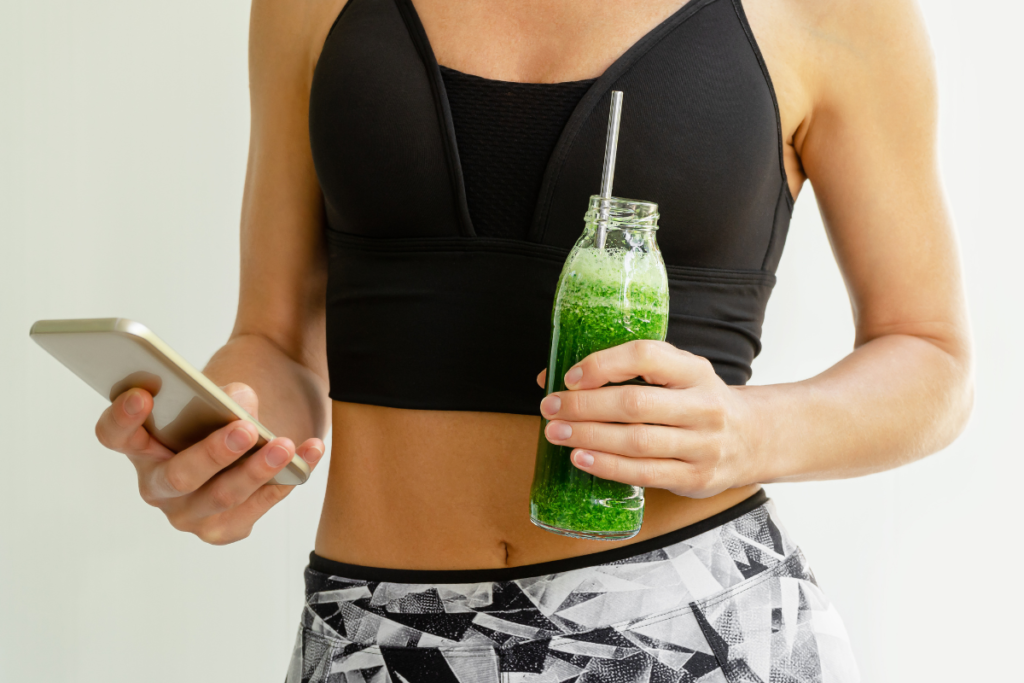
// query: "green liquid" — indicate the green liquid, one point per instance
point(605, 298)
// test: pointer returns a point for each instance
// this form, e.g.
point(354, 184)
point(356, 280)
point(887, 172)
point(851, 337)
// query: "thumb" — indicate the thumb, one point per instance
point(243, 395)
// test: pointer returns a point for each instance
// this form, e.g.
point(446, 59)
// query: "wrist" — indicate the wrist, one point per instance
point(755, 462)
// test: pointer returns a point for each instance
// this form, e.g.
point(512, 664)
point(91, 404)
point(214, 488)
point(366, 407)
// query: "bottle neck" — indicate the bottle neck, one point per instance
point(625, 224)
point(616, 212)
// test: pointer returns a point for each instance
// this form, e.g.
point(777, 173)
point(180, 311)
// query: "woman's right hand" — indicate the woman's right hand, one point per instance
point(218, 507)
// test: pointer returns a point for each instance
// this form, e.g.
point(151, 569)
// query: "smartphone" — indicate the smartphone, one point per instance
point(113, 355)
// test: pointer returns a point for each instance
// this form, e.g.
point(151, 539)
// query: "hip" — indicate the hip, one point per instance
point(728, 599)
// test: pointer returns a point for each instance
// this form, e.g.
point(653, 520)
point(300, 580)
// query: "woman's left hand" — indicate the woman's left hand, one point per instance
point(691, 434)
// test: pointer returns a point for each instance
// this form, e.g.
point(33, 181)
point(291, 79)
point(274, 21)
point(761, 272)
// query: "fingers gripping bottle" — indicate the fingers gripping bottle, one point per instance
point(613, 289)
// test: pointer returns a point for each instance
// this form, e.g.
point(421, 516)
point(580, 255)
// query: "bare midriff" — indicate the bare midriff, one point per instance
point(425, 489)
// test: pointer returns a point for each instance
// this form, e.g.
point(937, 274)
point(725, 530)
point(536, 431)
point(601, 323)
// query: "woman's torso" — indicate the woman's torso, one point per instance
point(449, 489)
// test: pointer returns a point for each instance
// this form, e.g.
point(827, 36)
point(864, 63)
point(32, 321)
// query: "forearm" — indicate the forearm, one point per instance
point(293, 399)
point(893, 400)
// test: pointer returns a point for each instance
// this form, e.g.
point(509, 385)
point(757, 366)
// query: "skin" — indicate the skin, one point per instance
point(449, 490)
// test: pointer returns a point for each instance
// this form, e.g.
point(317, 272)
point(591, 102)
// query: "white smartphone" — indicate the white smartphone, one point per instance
point(113, 355)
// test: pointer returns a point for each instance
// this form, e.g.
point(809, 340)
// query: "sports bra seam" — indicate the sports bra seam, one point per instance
point(644, 45)
point(513, 84)
point(514, 247)
point(471, 242)
point(786, 193)
point(741, 15)
point(720, 275)
point(330, 32)
point(772, 239)
point(418, 35)
point(421, 245)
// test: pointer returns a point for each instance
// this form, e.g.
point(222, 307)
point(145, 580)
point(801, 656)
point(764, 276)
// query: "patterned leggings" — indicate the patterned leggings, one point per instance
point(726, 600)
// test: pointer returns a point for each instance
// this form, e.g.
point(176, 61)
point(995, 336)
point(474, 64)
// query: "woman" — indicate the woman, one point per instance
point(427, 164)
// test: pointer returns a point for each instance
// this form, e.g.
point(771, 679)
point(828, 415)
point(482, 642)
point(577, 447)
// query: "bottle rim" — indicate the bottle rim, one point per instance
point(620, 213)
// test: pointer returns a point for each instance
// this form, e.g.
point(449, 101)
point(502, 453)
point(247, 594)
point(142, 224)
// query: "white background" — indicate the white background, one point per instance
point(123, 131)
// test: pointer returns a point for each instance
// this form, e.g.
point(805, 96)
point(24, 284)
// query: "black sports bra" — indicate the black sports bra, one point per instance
point(424, 311)
point(506, 133)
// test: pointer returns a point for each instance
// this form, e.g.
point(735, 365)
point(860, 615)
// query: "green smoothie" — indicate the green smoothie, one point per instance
point(606, 297)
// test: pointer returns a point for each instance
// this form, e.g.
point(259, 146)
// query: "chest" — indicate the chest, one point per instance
point(538, 41)
point(553, 41)
point(700, 136)
point(700, 133)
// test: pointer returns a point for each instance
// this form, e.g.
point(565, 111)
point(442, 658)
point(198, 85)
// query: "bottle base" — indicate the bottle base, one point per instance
point(592, 535)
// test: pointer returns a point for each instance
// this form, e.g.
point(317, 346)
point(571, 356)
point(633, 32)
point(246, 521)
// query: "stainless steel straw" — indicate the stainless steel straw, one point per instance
point(610, 147)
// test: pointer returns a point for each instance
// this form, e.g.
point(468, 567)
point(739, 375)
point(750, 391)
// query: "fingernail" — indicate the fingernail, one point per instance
point(242, 395)
point(239, 439)
point(560, 431)
point(277, 456)
point(583, 459)
point(312, 454)
point(551, 405)
point(573, 376)
point(133, 406)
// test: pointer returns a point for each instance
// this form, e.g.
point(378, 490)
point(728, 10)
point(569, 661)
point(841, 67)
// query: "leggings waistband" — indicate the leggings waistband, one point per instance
point(425, 576)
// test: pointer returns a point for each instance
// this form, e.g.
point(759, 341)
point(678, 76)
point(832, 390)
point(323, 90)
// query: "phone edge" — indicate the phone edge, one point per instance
point(128, 327)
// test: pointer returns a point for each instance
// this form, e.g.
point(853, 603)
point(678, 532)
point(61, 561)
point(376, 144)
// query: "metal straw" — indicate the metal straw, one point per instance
point(610, 147)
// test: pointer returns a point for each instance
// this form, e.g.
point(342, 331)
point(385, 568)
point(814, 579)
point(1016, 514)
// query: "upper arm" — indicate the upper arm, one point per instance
point(283, 256)
point(869, 149)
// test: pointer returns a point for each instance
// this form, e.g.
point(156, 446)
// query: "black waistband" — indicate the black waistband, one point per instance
point(421, 576)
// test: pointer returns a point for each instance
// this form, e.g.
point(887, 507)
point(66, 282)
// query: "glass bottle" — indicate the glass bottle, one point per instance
point(608, 294)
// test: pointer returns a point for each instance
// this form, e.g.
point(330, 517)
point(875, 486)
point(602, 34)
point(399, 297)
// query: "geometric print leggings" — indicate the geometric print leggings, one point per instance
point(730, 599)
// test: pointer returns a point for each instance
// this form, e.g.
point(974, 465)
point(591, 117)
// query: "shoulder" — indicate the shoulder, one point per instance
point(848, 65)
point(821, 35)
point(846, 19)
point(871, 41)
